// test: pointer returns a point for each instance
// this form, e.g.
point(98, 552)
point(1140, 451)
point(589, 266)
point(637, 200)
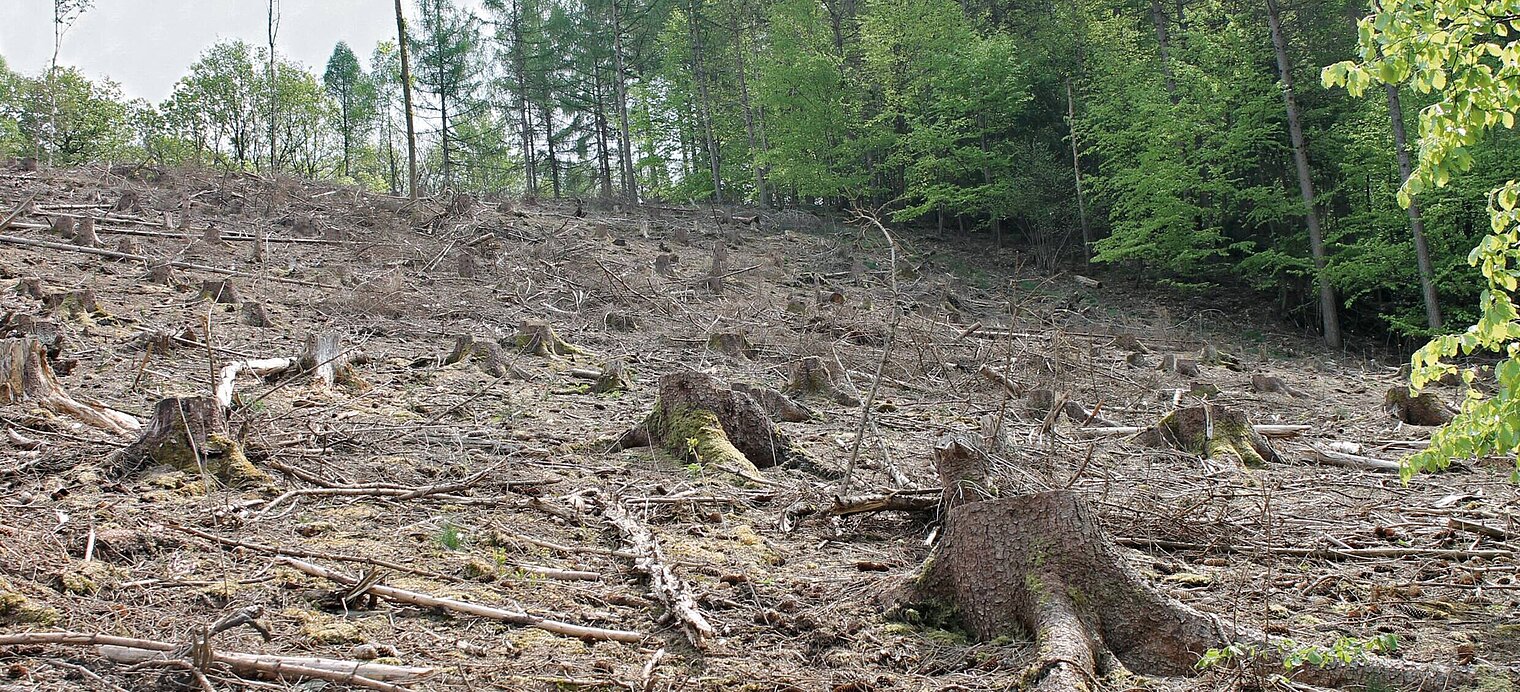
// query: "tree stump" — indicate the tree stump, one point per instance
point(85, 234)
point(1039, 564)
point(220, 291)
point(64, 227)
point(1211, 432)
point(493, 357)
point(254, 315)
point(662, 264)
point(1129, 343)
point(127, 246)
point(620, 321)
point(467, 266)
point(701, 421)
point(127, 202)
point(161, 273)
point(614, 378)
point(1182, 366)
point(324, 358)
point(211, 235)
point(1213, 356)
point(777, 405)
point(25, 375)
point(733, 344)
point(47, 332)
point(1425, 409)
point(811, 377)
point(680, 236)
point(537, 338)
point(719, 267)
point(79, 304)
point(31, 287)
point(189, 434)
point(1266, 384)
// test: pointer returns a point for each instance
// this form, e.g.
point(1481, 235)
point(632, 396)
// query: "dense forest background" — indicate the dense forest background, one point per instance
point(1154, 136)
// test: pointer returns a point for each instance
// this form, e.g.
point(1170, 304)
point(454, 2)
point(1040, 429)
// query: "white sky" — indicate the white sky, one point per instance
point(146, 45)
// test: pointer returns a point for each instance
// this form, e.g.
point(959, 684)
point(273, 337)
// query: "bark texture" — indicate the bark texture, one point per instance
point(190, 435)
point(26, 376)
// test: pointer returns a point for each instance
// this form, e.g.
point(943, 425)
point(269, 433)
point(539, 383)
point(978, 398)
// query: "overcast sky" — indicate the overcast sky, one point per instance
point(146, 44)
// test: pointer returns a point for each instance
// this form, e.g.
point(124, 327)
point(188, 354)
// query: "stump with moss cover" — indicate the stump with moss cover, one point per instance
point(812, 377)
point(1211, 432)
point(700, 420)
point(537, 338)
point(491, 356)
point(189, 434)
point(1038, 565)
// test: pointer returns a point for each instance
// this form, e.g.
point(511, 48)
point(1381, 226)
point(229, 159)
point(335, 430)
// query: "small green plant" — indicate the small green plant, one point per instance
point(1294, 654)
point(694, 470)
point(449, 536)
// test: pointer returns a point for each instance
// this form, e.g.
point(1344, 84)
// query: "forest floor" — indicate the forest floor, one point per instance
point(489, 488)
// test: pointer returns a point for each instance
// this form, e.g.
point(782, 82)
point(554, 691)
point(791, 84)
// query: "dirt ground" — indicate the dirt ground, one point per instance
point(793, 595)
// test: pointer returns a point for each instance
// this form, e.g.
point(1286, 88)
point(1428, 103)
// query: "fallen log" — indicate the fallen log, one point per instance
point(515, 617)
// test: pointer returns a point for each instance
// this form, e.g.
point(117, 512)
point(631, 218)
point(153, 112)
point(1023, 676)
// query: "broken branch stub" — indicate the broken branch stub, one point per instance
point(700, 420)
point(189, 434)
point(1211, 432)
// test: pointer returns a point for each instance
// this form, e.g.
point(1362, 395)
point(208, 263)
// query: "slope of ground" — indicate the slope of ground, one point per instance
point(484, 480)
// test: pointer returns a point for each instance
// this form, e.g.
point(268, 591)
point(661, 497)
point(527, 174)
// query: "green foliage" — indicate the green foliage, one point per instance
point(1293, 654)
point(90, 122)
point(356, 99)
point(1462, 52)
point(449, 536)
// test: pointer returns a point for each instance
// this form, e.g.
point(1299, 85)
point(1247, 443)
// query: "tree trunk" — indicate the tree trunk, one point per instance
point(761, 197)
point(274, 105)
point(1162, 39)
point(552, 155)
point(1076, 168)
point(705, 98)
point(1416, 223)
point(406, 91)
point(625, 144)
point(1329, 313)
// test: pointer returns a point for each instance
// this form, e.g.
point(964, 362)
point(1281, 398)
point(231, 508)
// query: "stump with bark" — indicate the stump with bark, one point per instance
point(85, 235)
point(1211, 432)
point(1039, 565)
point(732, 344)
point(1182, 366)
point(537, 338)
point(777, 405)
point(467, 266)
point(189, 434)
point(79, 304)
point(161, 273)
point(613, 378)
point(128, 202)
point(26, 376)
point(255, 315)
point(64, 227)
point(719, 267)
point(31, 287)
point(811, 377)
point(700, 420)
point(662, 264)
point(1267, 384)
point(492, 357)
point(220, 291)
point(1424, 409)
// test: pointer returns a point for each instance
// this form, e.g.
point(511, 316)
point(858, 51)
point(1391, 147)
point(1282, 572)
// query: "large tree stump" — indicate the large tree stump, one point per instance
point(733, 344)
point(1425, 409)
point(220, 291)
point(1039, 565)
point(700, 420)
point(1211, 432)
point(189, 434)
point(811, 377)
point(161, 273)
point(25, 375)
point(79, 304)
point(537, 338)
point(65, 226)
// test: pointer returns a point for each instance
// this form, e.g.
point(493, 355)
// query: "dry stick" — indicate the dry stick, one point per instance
point(1265, 430)
point(298, 552)
point(275, 666)
point(515, 617)
point(181, 236)
point(391, 493)
point(1319, 553)
point(28, 242)
point(16, 212)
point(865, 413)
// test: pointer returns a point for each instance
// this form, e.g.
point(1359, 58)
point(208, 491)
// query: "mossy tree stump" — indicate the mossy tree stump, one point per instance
point(85, 236)
point(700, 420)
point(733, 344)
point(1039, 565)
point(1211, 432)
point(537, 338)
point(190, 435)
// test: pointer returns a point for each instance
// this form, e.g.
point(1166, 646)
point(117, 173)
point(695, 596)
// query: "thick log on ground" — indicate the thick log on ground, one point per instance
point(190, 435)
point(26, 376)
point(1424, 409)
point(1039, 564)
point(700, 420)
point(1211, 432)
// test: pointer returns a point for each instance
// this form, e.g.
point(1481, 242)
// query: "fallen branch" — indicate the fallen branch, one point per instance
point(137, 650)
point(1263, 430)
point(391, 493)
point(515, 617)
point(663, 581)
point(263, 367)
point(901, 501)
point(1352, 461)
point(299, 552)
point(28, 242)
